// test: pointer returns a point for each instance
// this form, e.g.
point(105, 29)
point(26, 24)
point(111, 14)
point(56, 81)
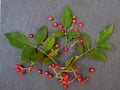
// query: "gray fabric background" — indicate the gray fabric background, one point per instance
point(28, 15)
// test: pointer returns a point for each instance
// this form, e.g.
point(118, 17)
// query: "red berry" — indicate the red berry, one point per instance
point(18, 70)
point(82, 82)
point(20, 67)
point(31, 67)
point(57, 66)
point(80, 79)
point(87, 78)
point(76, 29)
point(73, 17)
point(60, 80)
point(81, 40)
point(50, 75)
point(65, 49)
point(16, 65)
point(46, 73)
point(92, 70)
point(49, 54)
point(31, 35)
point(66, 77)
point(42, 43)
point(74, 21)
point(80, 24)
point(56, 45)
point(79, 75)
point(65, 86)
point(50, 18)
point(63, 31)
point(64, 73)
point(64, 82)
point(49, 66)
point(21, 73)
point(39, 71)
point(41, 59)
point(53, 65)
point(60, 25)
point(55, 24)
point(75, 69)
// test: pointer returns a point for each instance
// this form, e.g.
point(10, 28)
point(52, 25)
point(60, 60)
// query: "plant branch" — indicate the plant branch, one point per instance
point(46, 55)
point(83, 54)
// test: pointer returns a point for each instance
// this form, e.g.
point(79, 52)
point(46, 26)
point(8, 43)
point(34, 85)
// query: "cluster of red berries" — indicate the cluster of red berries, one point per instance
point(64, 80)
point(47, 73)
point(20, 69)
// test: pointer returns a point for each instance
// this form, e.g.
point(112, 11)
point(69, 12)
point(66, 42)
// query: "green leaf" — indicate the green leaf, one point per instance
point(104, 34)
point(26, 54)
point(66, 16)
point(97, 54)
point(54, 52)
point(40, 35)
point(72, 34)
point(86, 40)
point(58, 33)
point(104, 46)
point(68, 62)
point(79, 48)
point(46, 60)
point(36, 57)
point(18, 39)
point(49, 43)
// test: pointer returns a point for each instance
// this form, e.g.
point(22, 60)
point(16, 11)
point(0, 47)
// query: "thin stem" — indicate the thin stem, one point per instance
point(74, 43)
point(83, 54)
point(46, 54)
point(74, 73)
point(66, 37)
point(71, 80)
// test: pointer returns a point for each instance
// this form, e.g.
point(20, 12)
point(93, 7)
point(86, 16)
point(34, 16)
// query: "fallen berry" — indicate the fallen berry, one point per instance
point(65, 49)
point(39, 71)
point(46, 73)
point(50, 66)
point(75, 69)
point(91, 70)
point(55, 24)
point(87, 78)
point(57, 66)
point(80, 24)
point(56, 46)
point(50, 18)
point(81, 40)
point(60, 25)
point(63, 31)
point(31, 35)
point(50, 75)
point(79, 75)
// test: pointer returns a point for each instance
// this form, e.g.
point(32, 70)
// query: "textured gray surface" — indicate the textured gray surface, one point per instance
point(28, 15)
